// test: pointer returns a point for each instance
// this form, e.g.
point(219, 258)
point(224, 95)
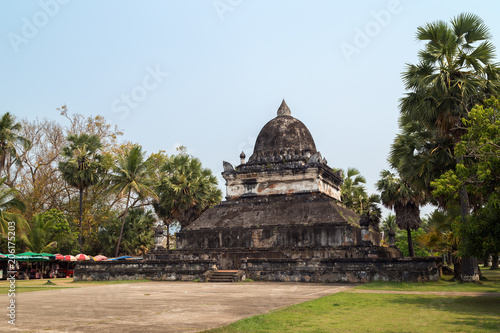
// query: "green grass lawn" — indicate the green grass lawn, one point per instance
point(349, 312)
point(491, 283)
point(352, 312)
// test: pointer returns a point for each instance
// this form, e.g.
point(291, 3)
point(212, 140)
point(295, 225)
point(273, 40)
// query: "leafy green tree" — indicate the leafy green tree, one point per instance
point(402, 243)
point(38, 238)
point(157, 161)
point(138, 234)
point(479, 172)
point(482, 232)
point(439, 234)
point(398, 195)
point(353, 191)
point(355, 196)
point(372, 207)
point(456, 70)
point(50, 232)
point(185, 190)
point(388, 224)
point(454, 73)
point(163, 214)
point(130, 178)
point(60, 231)
point(9, 138)
point(10, 205)
point(139, 237)
point(479, 153)
point(82, 167)
point(420, 155)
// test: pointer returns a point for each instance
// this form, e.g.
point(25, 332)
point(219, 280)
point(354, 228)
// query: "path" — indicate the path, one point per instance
point(154, 306)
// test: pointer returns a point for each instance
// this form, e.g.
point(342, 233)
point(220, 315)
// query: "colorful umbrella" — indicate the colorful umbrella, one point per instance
point(81, 256)
point(100, 257)
point(69, 258)
point(59, 257)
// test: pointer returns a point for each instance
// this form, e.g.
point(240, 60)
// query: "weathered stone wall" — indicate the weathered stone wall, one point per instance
point(269, 237)
point(330, 270)
point(183, 270)
point(276, 210)
point(343, 270)
point(230, 258)
point(270, 181)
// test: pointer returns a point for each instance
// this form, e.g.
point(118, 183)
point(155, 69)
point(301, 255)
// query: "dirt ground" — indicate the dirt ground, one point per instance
point(153, 306)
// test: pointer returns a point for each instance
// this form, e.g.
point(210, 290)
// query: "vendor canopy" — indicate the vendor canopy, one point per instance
point(32, 256)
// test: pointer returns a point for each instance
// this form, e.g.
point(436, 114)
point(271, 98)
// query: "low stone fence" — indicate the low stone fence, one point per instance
point(349, 270)
point(352, 270)
point(171, 270)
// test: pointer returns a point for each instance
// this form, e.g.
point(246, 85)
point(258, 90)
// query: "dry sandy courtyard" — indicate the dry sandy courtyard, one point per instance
point(153, 306)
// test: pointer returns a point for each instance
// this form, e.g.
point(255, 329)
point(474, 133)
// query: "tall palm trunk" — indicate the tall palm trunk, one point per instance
point(80, 220)
point(469, 271)
point(411, 250)
point(123, 224)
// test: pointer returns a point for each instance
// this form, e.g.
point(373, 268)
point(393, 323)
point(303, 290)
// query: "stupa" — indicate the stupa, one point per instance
point(286, 200)
point(282, 220)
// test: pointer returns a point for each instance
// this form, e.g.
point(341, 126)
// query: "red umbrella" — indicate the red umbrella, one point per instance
point(69, 258)
point(82, 256)
point(59, 257)
point(100, 257)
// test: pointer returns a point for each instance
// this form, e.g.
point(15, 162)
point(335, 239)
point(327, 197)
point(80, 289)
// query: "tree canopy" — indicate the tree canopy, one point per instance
point(186, 189)
point(77, 181)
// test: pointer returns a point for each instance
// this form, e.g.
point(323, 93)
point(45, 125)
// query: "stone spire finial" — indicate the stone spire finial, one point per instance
point(284, 110)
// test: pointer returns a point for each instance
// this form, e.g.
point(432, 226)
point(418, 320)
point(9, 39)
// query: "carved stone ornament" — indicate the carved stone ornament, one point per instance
point(228, 167)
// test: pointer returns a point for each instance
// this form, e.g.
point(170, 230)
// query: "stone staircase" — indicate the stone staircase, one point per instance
point(225, 276)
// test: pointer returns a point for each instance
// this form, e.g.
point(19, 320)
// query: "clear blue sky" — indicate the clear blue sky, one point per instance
point(229, 65)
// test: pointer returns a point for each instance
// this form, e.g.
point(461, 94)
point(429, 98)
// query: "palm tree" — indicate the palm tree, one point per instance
point(420, 155)
point(453, 74)
point(456, 71)
point(395, 193)
point(186, 190)
point(371, 206)
point(440, 236)
point(354, 196)
point(139, 233)
point(353, 192)
point(9, 137)
point(82, 167)
point(389, 223)
point(163, 213)
point(37, 239)
point(130, 177)
point(10, 221)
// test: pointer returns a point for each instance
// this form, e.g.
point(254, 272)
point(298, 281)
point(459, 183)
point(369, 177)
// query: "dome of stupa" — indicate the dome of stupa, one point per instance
point(284, 137)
